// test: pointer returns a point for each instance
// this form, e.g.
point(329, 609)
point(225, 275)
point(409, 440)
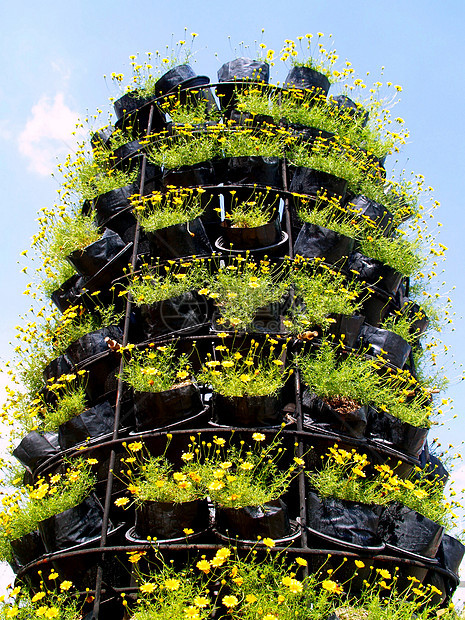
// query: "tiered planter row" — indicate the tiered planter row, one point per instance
point(89, 544)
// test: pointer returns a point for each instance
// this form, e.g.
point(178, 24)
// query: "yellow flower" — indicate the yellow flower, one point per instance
point(65, 585)
point(359, 564)
point(135, 556)
point(121, 501)
point(216, 485)
point(219, 441)
point(301, 561)
point(258, 437)
point(38, 596)
point(187, 531)
point(250, 598)
point(172, 584)
point(268, 542)
point(223, 553)
point(331, 586)
point(191, 613)
point(270, 617)
point(204, 566)
point(52, 612)
point(385, 574)
point(135, 446)
point(230, 600)
point(147, 587)
point(246, 466)
point(201, 601)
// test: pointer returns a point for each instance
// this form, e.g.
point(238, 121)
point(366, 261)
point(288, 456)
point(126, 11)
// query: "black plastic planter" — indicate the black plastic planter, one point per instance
point(99, 420)
point(344, 521)
point(250, 170)
point(158, 409)
point(280, 249)
point(250, 522)
point(195, 175)
point(318, 242)
point(186, 239)
point(347, 107)
point(407, 530)
point(74, 526)
point(432, 467)
point(101, 377)
point(247, 411)
point(109, 204)
point(166, 520)
point(383, 428)
point(346, 328)
point(35, 448)
point(376, 306)
point(250, 238)
point(307, 79)
point(179, 78)
point(57, 367)
point(366, 208)
point(450, 553)
point(69, 292)
point(97, 255)
point(26, 549)
point(186, 313)
point(386, 344)
point(92, 344)
point(321, 414)
point(311, 182)
point(375, 272)
point(129, 103)
point(233, 74)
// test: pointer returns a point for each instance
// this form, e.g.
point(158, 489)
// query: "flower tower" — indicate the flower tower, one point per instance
point(226, 413)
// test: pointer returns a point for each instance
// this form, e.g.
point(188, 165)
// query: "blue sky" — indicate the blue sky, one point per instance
point(54, 55)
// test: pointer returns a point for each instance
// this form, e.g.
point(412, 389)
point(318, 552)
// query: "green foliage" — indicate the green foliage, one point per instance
point(257, 372)
point(160, 210)
point(156, 369)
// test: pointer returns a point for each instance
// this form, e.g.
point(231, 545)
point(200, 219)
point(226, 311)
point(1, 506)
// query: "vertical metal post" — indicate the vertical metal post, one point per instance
point(119, 397)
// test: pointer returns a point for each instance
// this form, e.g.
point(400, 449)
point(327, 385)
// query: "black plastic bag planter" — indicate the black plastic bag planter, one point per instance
point(61, 365)
point(195, 175)
point(386, 344)
point(321, 414)
point(377, 213)
point(68, 293)
point(179, 78)
point(383, 428)
point(36, 448)
point(342, 521)
point(96, 421)
point(311, 182)
point(101, 137)
point(26, 549)
point(115, 268)
point(406, 530)
point(159, 409)
point(306, 78)
point(129, 103)
point(247, 411)
point(127, 157)
point(101, 379)
point(97, 255)
point(186, 313)
point(250, 170)
point(420, 320)
point(167, 520)
point(376, 306)
point(318, 242)
point(237, 74)
point(186, 239)
point(92, 344)
point(347, 107)
point(250, 238)
point(74, 526)
point(346, 328)
point(375, 272)
point(250, 522)
point(279, 249)
point(432, 467)
point(247, 119)
point(450, 554)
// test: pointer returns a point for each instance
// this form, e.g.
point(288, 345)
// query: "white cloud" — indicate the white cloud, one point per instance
point(47, 134)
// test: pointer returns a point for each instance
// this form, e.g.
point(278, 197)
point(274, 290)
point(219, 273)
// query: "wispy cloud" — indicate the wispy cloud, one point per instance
point(47, 134)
